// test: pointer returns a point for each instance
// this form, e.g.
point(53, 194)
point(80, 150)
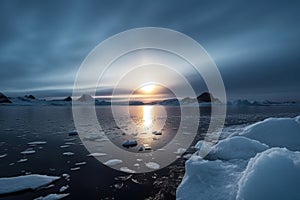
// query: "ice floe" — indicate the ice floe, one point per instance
point(37, 143)
point(27, 152)
point(68, 153)
point(63, 188)
point(152, 165)
point(96, 154)
point(53, 197)
point(126, 169)
point(3, 155)
point(113, 162)
point(20, 183)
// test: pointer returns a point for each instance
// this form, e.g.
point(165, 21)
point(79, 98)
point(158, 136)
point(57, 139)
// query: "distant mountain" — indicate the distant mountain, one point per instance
point(85, 98)
point(30, 97)
point(4, 99)
point(67, 98)
point(171, 102)
point(207, 97)
point(188, 100)
point(136, 103)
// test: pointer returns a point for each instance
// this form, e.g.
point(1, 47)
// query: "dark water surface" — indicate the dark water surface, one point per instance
point(20, 125)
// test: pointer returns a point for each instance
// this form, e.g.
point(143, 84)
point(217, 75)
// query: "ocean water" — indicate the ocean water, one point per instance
point(51, 125)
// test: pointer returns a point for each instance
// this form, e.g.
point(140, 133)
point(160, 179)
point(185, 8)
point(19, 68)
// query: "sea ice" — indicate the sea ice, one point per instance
point(113, 162)
point(272, 174)
point(276, 132)
point(3, 155)
point(27, 152)
point(68, 153)
point(20, 183)
point(180, 151)
point(152, 165)
point(63, 188)
point(126, 169)
point(237, 147)
point(96, 154)
point(247, 168)
point(37, 143)
point(53, 197)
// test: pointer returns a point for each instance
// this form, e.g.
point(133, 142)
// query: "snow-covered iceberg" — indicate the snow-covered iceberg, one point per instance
point(261, 162)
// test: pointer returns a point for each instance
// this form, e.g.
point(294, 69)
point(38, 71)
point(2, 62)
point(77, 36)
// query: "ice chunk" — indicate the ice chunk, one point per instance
point(53, 197)
point(113, 162)
point(206, 180)
point(237, 147)
point(96, 154)
point(80, 163)
point(276, 132)
point(3, 155)
point(68, 153)
point(129, 143)
point(63, 188)
point(180, 151)
point(37, 143)
point(152, 165)
point(22, 160)
point(272, 174)
point(20, 183)
point(27, 152)
point(126, 169)
point(75, 168)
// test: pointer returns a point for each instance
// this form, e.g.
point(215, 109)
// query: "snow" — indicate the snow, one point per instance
point(237, 148)
point(152, 165)
point(253, 164)
point(20, 183)
point(53, 197)
point(113, 162)
point(276, 132)
point(276, 170)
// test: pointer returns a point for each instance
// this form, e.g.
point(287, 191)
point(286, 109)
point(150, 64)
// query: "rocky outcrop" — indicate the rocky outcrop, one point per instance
point(67, 98)
point(4, 99)
point(207, 97)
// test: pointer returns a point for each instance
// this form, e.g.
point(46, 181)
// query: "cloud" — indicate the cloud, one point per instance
point(254, 44)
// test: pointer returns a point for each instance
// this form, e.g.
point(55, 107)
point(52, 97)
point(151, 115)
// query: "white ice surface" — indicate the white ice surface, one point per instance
point(246, 168)
point(19, 183)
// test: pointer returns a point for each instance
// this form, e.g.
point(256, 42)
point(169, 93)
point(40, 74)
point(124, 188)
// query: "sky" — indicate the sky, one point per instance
point(254, 44)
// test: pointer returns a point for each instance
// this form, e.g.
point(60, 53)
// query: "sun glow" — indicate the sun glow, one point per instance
point(148, 88)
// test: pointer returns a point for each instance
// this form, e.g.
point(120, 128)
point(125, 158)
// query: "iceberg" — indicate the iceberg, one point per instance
point(237, 147)
point(262, 161)
point(276, 132)
point(273, 174)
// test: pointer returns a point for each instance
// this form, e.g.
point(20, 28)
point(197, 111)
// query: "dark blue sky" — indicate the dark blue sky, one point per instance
point(255, 44)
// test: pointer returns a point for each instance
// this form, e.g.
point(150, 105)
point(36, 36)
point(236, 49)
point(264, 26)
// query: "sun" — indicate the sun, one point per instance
point(148, 88)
